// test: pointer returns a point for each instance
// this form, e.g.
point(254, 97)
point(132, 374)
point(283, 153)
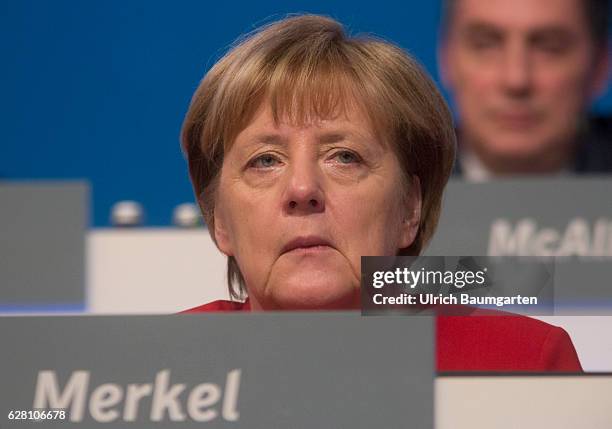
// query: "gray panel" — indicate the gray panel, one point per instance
point(568, 218)
point(297, 370)
point(469, 210)
point(42, 243)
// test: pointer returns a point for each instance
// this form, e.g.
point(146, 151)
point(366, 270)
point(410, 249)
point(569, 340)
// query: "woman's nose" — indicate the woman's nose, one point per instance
point(304, 193)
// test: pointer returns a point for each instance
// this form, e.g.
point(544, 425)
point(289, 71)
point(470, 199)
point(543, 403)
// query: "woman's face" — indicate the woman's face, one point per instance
point(298, 206)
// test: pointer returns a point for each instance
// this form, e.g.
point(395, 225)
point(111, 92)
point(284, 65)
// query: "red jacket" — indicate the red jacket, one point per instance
point(483, 343)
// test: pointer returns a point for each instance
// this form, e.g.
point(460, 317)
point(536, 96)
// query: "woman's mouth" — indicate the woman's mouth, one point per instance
point(307, 244)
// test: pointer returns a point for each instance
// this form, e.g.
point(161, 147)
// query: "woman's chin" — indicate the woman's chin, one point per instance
point(314, 286)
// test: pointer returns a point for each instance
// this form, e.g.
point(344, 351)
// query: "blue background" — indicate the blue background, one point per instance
point(98, 90)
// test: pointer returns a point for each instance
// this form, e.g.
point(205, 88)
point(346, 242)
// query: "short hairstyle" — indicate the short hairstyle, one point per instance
point(307, 66)
point(597, 13)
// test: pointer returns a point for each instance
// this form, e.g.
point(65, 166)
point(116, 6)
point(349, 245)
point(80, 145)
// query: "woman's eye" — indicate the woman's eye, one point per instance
point(347, 157)
point(264, 161)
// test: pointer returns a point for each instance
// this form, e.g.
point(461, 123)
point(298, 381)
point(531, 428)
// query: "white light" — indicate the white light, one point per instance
point(127, 213)
point(186, 215)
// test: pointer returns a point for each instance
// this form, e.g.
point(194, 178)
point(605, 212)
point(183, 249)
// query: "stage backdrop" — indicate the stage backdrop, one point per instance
point(98, 90)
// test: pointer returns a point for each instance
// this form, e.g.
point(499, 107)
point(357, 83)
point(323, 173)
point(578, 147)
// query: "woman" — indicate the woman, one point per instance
point(308, 149)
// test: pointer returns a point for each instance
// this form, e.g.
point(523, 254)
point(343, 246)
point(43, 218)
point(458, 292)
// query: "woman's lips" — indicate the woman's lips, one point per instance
point(307, 244)
point(309, 250)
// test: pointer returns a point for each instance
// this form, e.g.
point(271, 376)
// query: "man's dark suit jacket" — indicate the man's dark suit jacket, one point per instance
point(593, 148)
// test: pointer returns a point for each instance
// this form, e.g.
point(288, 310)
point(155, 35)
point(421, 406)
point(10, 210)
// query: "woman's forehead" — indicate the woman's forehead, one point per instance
point(348, 120)
point(348, 113)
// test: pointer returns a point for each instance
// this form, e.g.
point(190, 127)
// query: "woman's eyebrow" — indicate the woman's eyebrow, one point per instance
point(267, 138)
point(332, 137)
point(336, 136)
point(325, 137)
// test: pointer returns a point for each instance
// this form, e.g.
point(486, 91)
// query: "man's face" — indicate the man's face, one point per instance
point(522, 72)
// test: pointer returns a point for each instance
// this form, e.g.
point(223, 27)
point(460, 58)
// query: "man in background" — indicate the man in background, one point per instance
point(523, 74)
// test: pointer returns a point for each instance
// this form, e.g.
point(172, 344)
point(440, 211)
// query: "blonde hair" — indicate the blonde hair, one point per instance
point(306, 66)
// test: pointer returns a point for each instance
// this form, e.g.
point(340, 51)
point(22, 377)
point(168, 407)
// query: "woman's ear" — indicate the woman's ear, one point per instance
point(412, 218)
point(222, 236)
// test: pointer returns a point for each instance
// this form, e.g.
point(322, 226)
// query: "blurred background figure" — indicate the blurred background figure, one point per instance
point(522, 75)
